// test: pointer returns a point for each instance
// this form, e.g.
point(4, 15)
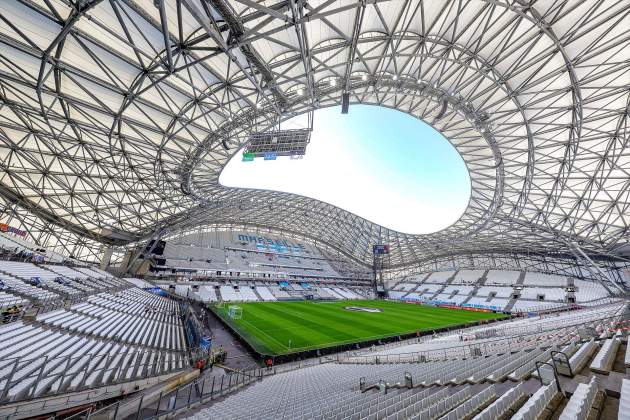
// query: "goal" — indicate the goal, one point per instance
point(235, 312)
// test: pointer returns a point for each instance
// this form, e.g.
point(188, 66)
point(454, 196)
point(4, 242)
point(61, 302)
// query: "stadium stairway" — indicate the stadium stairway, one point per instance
point(510, 304)
point(258, 296)
point(482, 279)
point(450, 279)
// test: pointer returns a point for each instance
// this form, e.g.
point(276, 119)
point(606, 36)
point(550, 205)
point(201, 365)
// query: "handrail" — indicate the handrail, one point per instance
point(498, 325)
point(467, 350)
point(198, 391)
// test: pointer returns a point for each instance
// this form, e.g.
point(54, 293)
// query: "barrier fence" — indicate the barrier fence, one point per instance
point(518, 340)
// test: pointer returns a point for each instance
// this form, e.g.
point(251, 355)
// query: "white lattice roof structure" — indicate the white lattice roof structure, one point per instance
point(117, 116)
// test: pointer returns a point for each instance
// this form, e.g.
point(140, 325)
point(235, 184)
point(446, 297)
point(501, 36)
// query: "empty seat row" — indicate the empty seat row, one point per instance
point(578, 406)
point(604, 359)
point(504, 403)
point(466, 409)
point(535, 405)
point(32, 292)
point(35, 362)
point(155, 329)
point(624, 400)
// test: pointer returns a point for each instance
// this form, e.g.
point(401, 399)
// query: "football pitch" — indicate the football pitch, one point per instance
point(276, 328)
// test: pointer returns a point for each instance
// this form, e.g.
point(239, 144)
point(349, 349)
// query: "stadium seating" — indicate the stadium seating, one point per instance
point(541, 279)
point(439, 277)
point(502, 277)
point(580, 402)
point(605, 357)
point(501, 292)
point(514, 291)
point(207, 256)
point(588, 291)
point(131, 316)
point(467, 276)
point(7, 299)
point(624, 400)
point(537, 403)
point(37, 361)
point(499, 407)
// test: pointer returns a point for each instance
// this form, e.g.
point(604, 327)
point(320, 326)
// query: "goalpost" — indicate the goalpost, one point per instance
point(235, 312)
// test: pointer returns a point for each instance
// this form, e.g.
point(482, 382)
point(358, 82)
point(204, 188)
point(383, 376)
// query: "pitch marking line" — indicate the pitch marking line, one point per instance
point(258, 329)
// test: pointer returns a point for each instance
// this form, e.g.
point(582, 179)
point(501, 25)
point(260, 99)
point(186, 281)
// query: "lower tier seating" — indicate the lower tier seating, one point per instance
point(36, 361)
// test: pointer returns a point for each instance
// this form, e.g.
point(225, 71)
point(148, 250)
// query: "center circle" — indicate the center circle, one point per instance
point(362, 309)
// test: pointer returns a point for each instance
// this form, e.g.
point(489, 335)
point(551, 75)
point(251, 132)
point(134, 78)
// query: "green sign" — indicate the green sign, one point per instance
point(248, 157)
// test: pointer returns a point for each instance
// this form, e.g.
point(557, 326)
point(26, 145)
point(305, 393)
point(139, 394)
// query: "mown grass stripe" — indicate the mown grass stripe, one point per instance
point(268, 326)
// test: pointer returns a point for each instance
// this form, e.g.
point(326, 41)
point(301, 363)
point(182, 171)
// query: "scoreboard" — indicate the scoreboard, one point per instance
point(380, 249)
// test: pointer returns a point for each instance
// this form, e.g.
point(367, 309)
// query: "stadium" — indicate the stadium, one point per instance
point(222, 209)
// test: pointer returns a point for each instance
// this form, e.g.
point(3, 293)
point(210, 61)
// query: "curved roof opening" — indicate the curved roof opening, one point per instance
point(381, 164)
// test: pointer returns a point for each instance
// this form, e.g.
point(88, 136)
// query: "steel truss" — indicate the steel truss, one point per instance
point(116, 116)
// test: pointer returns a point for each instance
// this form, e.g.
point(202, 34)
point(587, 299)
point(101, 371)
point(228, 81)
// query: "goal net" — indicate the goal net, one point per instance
point(235, 312)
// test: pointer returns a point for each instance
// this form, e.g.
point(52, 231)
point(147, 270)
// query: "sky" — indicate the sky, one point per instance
point(381, 164)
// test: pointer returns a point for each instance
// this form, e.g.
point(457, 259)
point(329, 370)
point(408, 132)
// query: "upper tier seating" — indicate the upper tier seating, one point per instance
point(541, 279)
point(15, 243)
point(502, 277)
point(439, 276)
point(468, 276)
point(499, 291)
point(461, 289)
point(206, 254)
point(405, 286)
point(18, 286)
point(31, 272)
point(588, 291)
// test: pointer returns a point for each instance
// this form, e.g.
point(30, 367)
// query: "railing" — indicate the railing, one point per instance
point(480, 348)
point(199, 391)
point(207, 389)
point(39, 377)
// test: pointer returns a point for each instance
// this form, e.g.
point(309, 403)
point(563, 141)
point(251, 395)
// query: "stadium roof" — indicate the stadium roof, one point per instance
point(117, 116)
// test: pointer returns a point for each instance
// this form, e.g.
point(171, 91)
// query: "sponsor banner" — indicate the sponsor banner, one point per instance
point(264, 243)
point(380, 249)
point(450, 305)
point(10, 229)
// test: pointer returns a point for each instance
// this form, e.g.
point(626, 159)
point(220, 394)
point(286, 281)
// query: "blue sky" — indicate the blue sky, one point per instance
point(381, 164)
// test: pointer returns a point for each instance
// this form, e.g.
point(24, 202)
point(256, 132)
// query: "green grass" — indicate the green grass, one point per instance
point(268, 326)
